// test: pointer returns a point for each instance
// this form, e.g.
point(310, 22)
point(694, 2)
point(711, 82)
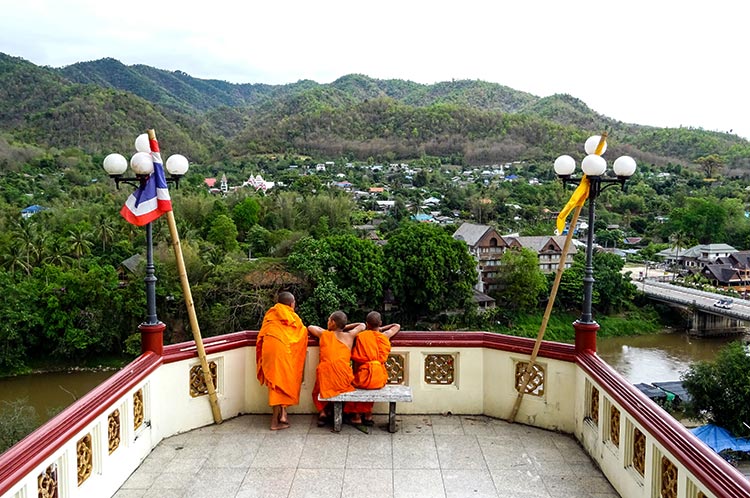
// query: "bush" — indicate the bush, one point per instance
point(720, 389)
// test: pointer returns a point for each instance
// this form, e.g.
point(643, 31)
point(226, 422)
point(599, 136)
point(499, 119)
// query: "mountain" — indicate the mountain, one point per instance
point(100, 105)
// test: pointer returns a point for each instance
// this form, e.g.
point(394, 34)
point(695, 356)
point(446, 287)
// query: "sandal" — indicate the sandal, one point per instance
point(368, 422)
point(322, 420)
point(360, 427)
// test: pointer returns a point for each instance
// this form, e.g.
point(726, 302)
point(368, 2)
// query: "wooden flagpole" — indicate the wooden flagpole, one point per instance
point(523, 384)
point(208, 379)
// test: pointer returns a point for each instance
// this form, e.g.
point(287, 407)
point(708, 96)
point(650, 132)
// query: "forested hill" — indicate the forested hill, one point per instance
point(100, 105)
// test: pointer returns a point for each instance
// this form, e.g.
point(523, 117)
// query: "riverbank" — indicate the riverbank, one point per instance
point(641, 321)
point(103, 364)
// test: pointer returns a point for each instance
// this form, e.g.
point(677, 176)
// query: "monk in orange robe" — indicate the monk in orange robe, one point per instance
point(334, 373)
point(369, 355)
point(280, 357)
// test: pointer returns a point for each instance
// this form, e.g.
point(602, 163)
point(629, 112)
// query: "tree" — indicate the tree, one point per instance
point(428, 270)
point(703, 218)
point(710, 164)
point(720, 389)
point(612, 290)
point(223, 233)
point(245, 215)
point(352, 266)
point(521, 281)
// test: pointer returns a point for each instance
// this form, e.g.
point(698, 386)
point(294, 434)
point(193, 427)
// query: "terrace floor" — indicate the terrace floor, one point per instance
point(429, 456)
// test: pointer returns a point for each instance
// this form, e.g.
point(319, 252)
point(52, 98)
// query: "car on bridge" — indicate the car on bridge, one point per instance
point(724, 302)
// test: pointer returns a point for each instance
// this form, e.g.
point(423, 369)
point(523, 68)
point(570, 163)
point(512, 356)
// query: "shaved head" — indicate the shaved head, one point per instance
point(373, 320)
point(285, 298)
point(339, 318)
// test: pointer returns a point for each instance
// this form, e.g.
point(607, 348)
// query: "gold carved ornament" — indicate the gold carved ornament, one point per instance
point(84, 458)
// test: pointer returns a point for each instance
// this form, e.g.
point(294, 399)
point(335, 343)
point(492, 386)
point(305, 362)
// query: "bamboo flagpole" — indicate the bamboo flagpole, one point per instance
point(576, 201)
point(524, 382)
point(215, 409)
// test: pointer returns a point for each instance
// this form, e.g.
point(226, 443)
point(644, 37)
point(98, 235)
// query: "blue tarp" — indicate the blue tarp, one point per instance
point(719, 439)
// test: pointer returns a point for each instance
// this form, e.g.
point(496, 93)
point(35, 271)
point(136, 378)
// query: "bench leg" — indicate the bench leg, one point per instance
point(392, 416)
point(338, 415)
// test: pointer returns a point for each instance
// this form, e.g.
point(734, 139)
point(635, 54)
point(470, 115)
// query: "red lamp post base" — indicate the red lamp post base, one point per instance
point(152, 337)
point(585, 336)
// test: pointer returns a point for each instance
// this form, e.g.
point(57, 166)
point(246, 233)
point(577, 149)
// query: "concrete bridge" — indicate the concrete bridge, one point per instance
point(704, 317)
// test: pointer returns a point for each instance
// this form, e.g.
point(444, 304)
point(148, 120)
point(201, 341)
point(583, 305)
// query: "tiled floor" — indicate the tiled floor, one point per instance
point(429, 456)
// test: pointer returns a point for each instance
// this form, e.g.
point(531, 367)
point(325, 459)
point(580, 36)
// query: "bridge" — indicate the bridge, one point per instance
point(706, 319)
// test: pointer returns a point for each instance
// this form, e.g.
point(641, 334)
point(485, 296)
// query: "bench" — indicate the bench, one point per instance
point(392, 393)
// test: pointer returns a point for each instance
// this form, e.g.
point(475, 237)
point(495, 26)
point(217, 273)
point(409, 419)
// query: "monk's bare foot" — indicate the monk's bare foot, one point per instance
point(279, 426)
point(284, 417)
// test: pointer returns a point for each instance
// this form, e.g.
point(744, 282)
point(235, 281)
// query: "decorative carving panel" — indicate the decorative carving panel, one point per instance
point(394, 365)
point(614, 425)
point(439, 369)
point(535, 385)
point(639, 451)
point(594, 405)
point(138, 409)
point(47, 482)
point(668, 479)
point(198, 381)
point(113, 431)
point(84, 458)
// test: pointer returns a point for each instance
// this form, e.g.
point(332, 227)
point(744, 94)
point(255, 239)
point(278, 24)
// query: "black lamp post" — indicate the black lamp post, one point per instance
point(142, 166)
point(594, 167)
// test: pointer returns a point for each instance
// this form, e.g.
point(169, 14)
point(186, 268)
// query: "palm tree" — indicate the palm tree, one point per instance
point(23, 235)
point(678, 239)
point(80, 245)
point(105, 230)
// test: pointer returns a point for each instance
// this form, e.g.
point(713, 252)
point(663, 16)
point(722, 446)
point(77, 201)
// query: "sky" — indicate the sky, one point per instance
point(661, 63)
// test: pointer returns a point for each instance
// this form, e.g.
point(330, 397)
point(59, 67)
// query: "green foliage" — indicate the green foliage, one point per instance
point(223, 233)
point(521, 281)
point(339, 267)
point(245, 215)
point(428, 270)
point(612, 291)
point(704, 218)
point(720, 389)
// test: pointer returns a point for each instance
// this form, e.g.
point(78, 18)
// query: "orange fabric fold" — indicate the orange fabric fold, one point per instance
point(369, 355)
point(334, 373)
point(280, 355)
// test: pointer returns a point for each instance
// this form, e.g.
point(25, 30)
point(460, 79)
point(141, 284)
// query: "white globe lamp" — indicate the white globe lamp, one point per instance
point(594, 165)
point(115, 164)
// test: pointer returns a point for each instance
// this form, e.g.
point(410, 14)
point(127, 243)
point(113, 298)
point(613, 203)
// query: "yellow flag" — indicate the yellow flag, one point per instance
point(579, 196)
point(581, 193)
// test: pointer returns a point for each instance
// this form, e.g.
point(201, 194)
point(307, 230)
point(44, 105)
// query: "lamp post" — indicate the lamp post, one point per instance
point(142, 166)
point(594, 167)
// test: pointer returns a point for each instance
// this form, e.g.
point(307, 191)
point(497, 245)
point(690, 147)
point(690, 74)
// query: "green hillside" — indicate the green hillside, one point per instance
point(100, 105)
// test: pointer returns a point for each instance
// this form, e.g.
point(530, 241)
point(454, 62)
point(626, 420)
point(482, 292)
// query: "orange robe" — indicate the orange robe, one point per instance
point(334, 374)
point(369, 355)
point(280, 355)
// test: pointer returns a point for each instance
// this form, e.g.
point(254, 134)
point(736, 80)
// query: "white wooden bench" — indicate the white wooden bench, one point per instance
point(391, 393)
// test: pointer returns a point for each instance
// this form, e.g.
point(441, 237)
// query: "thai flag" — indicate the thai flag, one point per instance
point(152, 200)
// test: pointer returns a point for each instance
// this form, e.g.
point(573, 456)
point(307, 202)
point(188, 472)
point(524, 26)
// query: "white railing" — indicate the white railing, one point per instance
point(640, 448)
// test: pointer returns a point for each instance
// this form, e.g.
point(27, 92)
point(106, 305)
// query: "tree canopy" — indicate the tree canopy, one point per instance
point(720, 389)
point(429, 271)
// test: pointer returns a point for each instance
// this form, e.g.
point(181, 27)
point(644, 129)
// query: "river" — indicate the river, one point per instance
point(659, 357)
point(49, 393)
